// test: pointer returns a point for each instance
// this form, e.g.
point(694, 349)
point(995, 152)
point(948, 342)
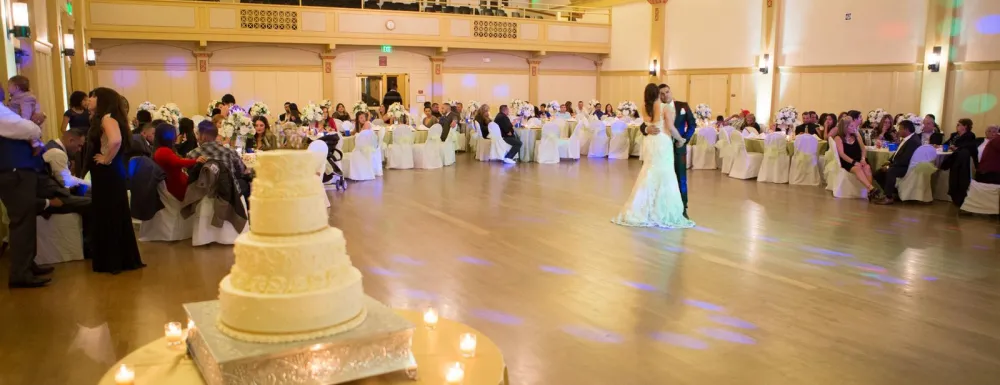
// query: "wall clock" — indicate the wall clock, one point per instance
point(390, 25)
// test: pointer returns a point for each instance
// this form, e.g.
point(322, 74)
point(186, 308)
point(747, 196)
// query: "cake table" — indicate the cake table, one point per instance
point(157, 364)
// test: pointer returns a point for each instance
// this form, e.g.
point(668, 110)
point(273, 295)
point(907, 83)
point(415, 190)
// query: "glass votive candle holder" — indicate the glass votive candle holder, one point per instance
point(455, 374)
point(467, 345)
point(431, 318)
point(174, 333)
point(124, 376)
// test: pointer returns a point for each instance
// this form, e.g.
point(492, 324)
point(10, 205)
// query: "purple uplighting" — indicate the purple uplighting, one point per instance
point(817, 250)
point(727, 335)
point(885, 278)
point(703, 305)
point(555, 270)
point(680, 340)
point(469, 81)
point(407, 260)
point(911, 220)
point(593, 334)
point(221, 80)
point(820, 262)
point(641, 286)
point(766, 239)
point(497, 317)
point(384, 272)
point(868, 267)
point(704, 229)
point(997, 236)
point(989, 25)
point(420, 294)
point(732, 321)
point(474, 261)
point(930, 279)
point(674, 249)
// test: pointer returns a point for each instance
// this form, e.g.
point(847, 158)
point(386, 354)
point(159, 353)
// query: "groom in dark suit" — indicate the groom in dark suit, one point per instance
point(686, 124)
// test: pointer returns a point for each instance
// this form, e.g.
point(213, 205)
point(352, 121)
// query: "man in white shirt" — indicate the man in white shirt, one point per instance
point(56, 156)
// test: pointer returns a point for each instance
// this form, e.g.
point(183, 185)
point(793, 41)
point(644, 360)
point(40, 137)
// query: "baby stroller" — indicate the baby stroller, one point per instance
point(332, 174)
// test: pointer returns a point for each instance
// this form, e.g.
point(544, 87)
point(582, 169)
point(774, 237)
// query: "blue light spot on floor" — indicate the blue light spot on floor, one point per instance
point(911, 220)
point(641, 286)
point(766, 239)
point(497, 317)
point(680, 340)
point(555, 270)
point(703, 305)
point(885, 278)
point(997, 236)
point(868, 267)
point(820, 262)
point(704, 229)
point(420, 294)
point(475, 261)
point(727, 335)
point(732, 321)
point(931, 279)
point(384, 272)
point(674, 249)
point(593, 334)
point(818, 250)
point(407, 260)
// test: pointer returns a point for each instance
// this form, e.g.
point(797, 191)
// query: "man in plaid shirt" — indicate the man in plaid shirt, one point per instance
point(209, 147)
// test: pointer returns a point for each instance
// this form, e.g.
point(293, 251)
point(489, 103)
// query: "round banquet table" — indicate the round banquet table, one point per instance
point(419, 136)
point(434, 350)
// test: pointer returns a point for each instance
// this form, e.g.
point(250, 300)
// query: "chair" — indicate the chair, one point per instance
point(703, 154)
point(569, 148)
point(534, 122)
point(340, 124)
point(378, 122)
point(427, 155)
point(168, 224)
point(59, 239)
point(564, 129)
point(461, 139)
point(916, 184)
point(322, 150)
point(448, 147)
point(842, 182)
point(547, 150)
point(746, 165)
point(749, 131)
point(204, 233)
point(361, 163)
point(774, 168)
point(400, 152)
point(805, 168)
point(346, 127)
point(618, 148)
point(480, 144)
point(727, 151)
point(498, 148)
point(585, 135)
point(983, 198)
point(831, 162)
point(598, 140)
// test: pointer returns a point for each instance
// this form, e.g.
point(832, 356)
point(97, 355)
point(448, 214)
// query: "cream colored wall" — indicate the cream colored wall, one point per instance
point(712, 33)
point(972, 94)
point(979, 33)
point(492, 88)
point(896, 92)
point(273, 87)
point(616, 88)
point(484, 60)
point(566, 88)
point(158, 73)
point(630, 37)
point(348, 65)
point(264, 56)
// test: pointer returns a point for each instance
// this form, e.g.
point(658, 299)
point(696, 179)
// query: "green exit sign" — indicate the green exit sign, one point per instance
point(69, 7)
point(387, 48)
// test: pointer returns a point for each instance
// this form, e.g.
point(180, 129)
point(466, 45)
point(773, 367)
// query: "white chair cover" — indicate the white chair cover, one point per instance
point(703, 152)
point(400, 151)
point(618, 147)
point(534, 122)
point(479, 144)
point(361, 163)
point(449, 146)
point(842, 182)
point(168, 224)
point(749, 131)
point(547, 150)
point(831, 162)
point(204, 233)
point(498, 148)
point(746, 165)
point(564, 129)
point(585, 135)
point(916, 184)
point(375, 122)
point(321, 149)
point(727, 151)
point(345, 126)
point(983, 198)
point(569, 148)
point(427, 155)
point(598, 139)
point(59, 239)
point(805, 166)
point(774, 168)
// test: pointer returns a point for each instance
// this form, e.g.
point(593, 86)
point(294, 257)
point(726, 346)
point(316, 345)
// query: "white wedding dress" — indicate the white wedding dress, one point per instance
point(656, 197)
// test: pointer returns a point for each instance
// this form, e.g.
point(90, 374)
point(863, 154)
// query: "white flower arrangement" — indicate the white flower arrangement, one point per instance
point(627, 108)
point(211, 106)
point(359, 107)
point(397, 111)
point(169, 113)
point(473, 108)
point(554, 106)
point(450, 102)
point(238, 123)
point(147, 106)
point(593, 104)
point(703, 111)
point(259, 109)
point(916, 119)
point(326, 103)
point(312, 113)
point(875, 116)
point(515, 105)
point(787, 116)
point(527, 111)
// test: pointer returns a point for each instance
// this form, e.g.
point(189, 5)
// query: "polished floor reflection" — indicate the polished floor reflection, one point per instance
point(778, 284)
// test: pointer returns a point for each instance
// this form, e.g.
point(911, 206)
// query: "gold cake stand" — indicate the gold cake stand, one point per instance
point(435, 350)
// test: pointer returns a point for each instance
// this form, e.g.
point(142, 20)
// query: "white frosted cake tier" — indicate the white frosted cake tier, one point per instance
point(290, 317)
point(289, 264)
point(288, 216)
point(265, 189)
point(286, 165)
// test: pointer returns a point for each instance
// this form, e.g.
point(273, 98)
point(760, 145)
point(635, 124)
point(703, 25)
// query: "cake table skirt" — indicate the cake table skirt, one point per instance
point(435, 350)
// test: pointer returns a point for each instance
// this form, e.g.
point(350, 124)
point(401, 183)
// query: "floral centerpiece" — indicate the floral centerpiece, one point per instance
point(170, 113)
point(526, 111)
point(515, 105)
point(311, 114)
point(147, 106)
point(703, 112)
point(627, 108)
point(237, 125)
point(473, 108)
point(916, 119)
point(397, 111)
point(787, 116)
point(554, 106)
point(326, 103)
point(592, 104)
point(259, 109)
point(359, 107)
point(211, 106)
point(875, 116)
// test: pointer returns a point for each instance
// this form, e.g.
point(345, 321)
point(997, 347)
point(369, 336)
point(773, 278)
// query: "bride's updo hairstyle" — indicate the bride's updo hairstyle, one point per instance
point(650, 96)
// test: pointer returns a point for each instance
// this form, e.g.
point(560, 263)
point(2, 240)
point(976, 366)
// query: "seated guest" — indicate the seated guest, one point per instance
point(929, 120)
point(929, 133)
point(609, 110)
point(187, 140)
point(383, 114)
point(429, 118)
point(884, 130)
point(263, 139)
point(751, 123)
point(569, 109)
point(294, 115)
point(899, 162)
point(991, 133)
point(361, 121)
point(507, 132)
point(852, 155)
point(598, 112)
point(173, 166)
point(827, 122)
point(57, 153)
point(142, 141)
point(210, 148)
point(564, 112)
point(283, 118)
point(482, 118)
point(809, 124)
point(989, 162)
point(961, 163)
point(579, 107)
point(720, 122)
point(340, 113)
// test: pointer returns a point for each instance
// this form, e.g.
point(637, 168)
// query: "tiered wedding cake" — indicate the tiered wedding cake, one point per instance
point(293, 279)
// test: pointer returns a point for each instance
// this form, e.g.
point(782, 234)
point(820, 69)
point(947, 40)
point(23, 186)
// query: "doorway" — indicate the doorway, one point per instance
point(374, 86)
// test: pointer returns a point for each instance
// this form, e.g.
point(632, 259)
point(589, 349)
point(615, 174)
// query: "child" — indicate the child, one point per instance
point(22, 102)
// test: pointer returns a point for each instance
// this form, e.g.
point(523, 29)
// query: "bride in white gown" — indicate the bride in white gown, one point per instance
point(656, 197)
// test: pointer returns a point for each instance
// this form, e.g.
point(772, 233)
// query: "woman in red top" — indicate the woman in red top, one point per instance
point(172, 164)
point(989, 164)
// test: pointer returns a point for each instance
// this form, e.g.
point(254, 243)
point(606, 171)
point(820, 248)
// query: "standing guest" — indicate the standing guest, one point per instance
point(482, 118)
point(187, 140)
point(283, 118)
point(827, 122)
point(929, 133)
point(263, 139)
point(448, 121)
point(173, 166)
point(22, 102)
point(436, 110)
point(989, 161)
point(507, 133)
point(899, 163)
point(340, 113)
point(57, 153)
point(853, 158)
point(228, 102)
point(77, 116)
point(961, 163)
point(114, 248)
point(392, 96)
point(460, 110)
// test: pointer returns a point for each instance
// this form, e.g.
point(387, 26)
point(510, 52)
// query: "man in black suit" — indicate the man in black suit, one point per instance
point(808, 125)
point(142, 141)
point(900, 161)
point(392, 97)
point(929, 133)
point(448, 121)
point(507, 132)
point(686, 124)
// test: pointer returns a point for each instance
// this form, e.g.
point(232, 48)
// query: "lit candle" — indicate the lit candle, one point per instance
point(124, 376)
point(467, 344)
point(455, 374)
point(431, 318)
point(173, 332)
point(190, 327)
point(411, 368)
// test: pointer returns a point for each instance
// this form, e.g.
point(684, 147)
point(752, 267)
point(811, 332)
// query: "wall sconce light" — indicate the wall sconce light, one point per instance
point(934, 60)
point(91, 57)
point(20, 16)
point(765, 63)
point(654, 68)
point(69, 44)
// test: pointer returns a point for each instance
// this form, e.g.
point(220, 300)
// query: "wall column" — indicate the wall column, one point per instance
point(328, 78)
point(437, 79)
point(58, 73)
point(80, 78)
point(597, 76)
point(533, 80)
point(658, 41)
point(940, 23)
point(204, 83)
point(768, 85)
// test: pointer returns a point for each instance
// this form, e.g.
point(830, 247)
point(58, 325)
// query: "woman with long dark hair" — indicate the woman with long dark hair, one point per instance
point(187, 140)
point(294, 115)
point(827, 122)
point(656, 197)
point(340, 113)
point(263, 139)
point(113, 245)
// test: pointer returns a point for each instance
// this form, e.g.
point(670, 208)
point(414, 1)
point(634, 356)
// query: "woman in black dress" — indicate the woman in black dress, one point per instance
point(113, 246)
point(853, 158)
point(187, 140)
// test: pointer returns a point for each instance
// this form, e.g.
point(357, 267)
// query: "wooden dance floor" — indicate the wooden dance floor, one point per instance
point(779, 284)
